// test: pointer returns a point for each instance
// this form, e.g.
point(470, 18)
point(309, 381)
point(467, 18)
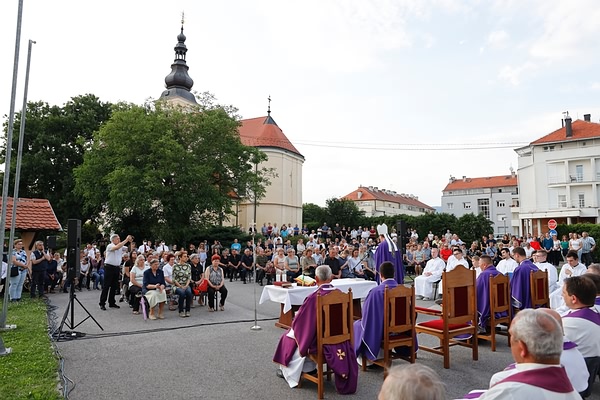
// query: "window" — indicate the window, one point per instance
point(450, 206)
point(484, 207)
point(579, 173)
point(581, 199)
point(500, 203)
point(467, 205)
point(562, 201)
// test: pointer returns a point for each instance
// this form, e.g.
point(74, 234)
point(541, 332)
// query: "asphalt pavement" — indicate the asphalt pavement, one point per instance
point(218, 355)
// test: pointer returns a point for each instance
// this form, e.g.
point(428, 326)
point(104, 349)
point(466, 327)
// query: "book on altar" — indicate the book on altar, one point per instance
point(304, 280)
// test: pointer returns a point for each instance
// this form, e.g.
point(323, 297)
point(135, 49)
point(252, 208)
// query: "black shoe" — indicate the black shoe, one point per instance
point(103, 308)
point(113, 306)
point(121, 300)
point(244, 282)
point(279, 373)
point(374, 367)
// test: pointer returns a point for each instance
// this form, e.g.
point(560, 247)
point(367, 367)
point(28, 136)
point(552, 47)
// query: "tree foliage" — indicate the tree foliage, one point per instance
point(473, 227)
point(168, 172)
point(313, 215)
point(343, 211)
point(53, 145)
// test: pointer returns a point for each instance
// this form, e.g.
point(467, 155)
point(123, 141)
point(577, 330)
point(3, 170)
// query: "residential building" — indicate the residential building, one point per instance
point(377, 202)
point(559, 177)
point(282, 203)
point(491, 196)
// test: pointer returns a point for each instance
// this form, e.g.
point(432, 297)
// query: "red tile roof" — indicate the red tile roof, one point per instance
point(385, 195)
point(32, 215)
point(581, 130)
point(264, 132)
point(486, 182)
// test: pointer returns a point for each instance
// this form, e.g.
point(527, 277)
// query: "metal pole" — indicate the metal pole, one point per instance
point(6, 181)
point(256, 327)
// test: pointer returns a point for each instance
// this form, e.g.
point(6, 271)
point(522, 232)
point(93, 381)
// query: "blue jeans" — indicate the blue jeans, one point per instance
point(16, 285)
point(98, 280)
point(184, 295)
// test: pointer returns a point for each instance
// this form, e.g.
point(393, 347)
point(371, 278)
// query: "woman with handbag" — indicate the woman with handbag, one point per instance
point(200, 285)
point(18, 272)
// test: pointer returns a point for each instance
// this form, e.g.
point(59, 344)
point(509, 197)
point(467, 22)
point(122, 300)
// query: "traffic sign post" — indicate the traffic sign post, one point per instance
point(552, 224)
point(553, 232)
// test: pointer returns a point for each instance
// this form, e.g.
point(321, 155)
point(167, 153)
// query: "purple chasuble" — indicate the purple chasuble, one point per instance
point(553, 379)
point(368, 331)
point(483, 295)
point(382, 254)
point(305, 329)
point(597, 301)
point(341, 358)
point(519, 285)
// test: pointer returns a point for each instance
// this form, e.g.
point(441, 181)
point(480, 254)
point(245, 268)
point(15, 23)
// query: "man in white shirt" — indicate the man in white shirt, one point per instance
point(507, 264)
point(543, 265)
point(144, 248)
point(431, 274)
point(112, 269)
point(162, 247)
point(536, 345)
point(572, 268)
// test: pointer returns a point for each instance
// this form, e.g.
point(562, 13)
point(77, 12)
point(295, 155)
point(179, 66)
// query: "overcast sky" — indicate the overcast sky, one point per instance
point(388, 93)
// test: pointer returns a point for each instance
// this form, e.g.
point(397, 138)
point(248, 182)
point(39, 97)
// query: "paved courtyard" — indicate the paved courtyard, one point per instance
point(217, 354)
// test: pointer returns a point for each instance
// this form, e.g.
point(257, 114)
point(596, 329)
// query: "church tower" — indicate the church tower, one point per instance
point(178, 82)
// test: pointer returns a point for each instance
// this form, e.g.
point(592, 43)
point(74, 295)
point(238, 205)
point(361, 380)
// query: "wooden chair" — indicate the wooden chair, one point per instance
point(457, 317)
point(398, 326)
point(540, 296)
point(334, 326)
point(499, 303)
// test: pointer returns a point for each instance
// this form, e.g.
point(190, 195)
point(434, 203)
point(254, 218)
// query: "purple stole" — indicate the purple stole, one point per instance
point(483, 294)
point(569, 345)
point(585, 313)
point(341, 358)
point(597, 301)
point(383, 254)
point(553, 379)
point(519, 285)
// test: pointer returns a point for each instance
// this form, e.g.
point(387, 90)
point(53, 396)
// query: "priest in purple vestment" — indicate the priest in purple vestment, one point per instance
point(519, 283)
point(368, 331)
point(388, 250)
point(483, 290)
point(301, 340)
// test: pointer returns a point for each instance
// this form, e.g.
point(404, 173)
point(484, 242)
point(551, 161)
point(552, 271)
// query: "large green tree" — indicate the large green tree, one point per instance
point(166, 171)
point(343, 211)
point(53, 145)
point(471, 227)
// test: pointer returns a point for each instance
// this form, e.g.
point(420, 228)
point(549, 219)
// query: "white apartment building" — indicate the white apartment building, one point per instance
point(493, 196)
point(559, 177)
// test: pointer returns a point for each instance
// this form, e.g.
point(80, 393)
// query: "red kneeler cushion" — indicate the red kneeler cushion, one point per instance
point(439, 325)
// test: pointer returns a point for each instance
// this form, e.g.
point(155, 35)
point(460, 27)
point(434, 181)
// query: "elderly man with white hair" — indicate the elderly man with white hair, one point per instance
point(536, 345)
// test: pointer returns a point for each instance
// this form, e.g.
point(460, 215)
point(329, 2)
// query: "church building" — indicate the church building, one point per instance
point(282, 203)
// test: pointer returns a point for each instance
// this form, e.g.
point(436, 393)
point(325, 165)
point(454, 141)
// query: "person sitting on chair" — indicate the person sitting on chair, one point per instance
point(301, 339)
point(483, 290)
point(216, 283)
point(536, 344)
point(519, 283)
point(431, 274)
point(136, 282)
point(368, 331)
point(182, 279)
point(154, 289)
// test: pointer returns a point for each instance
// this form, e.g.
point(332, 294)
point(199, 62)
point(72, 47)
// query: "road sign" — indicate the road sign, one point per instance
point(552, 224)
point(553, 232)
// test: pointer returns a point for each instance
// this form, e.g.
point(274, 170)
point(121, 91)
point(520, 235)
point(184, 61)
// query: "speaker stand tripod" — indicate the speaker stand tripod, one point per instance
point(70, 322)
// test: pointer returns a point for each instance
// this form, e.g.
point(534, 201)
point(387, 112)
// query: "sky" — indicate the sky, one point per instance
point(398, 94)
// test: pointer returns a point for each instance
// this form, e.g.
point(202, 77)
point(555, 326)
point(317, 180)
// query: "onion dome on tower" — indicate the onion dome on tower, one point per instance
point(178, 82)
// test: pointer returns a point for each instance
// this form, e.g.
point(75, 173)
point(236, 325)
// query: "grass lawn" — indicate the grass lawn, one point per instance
point(30, 371)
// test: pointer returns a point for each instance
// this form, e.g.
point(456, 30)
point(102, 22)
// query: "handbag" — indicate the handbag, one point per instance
point(201, 288)
point(14, 271)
